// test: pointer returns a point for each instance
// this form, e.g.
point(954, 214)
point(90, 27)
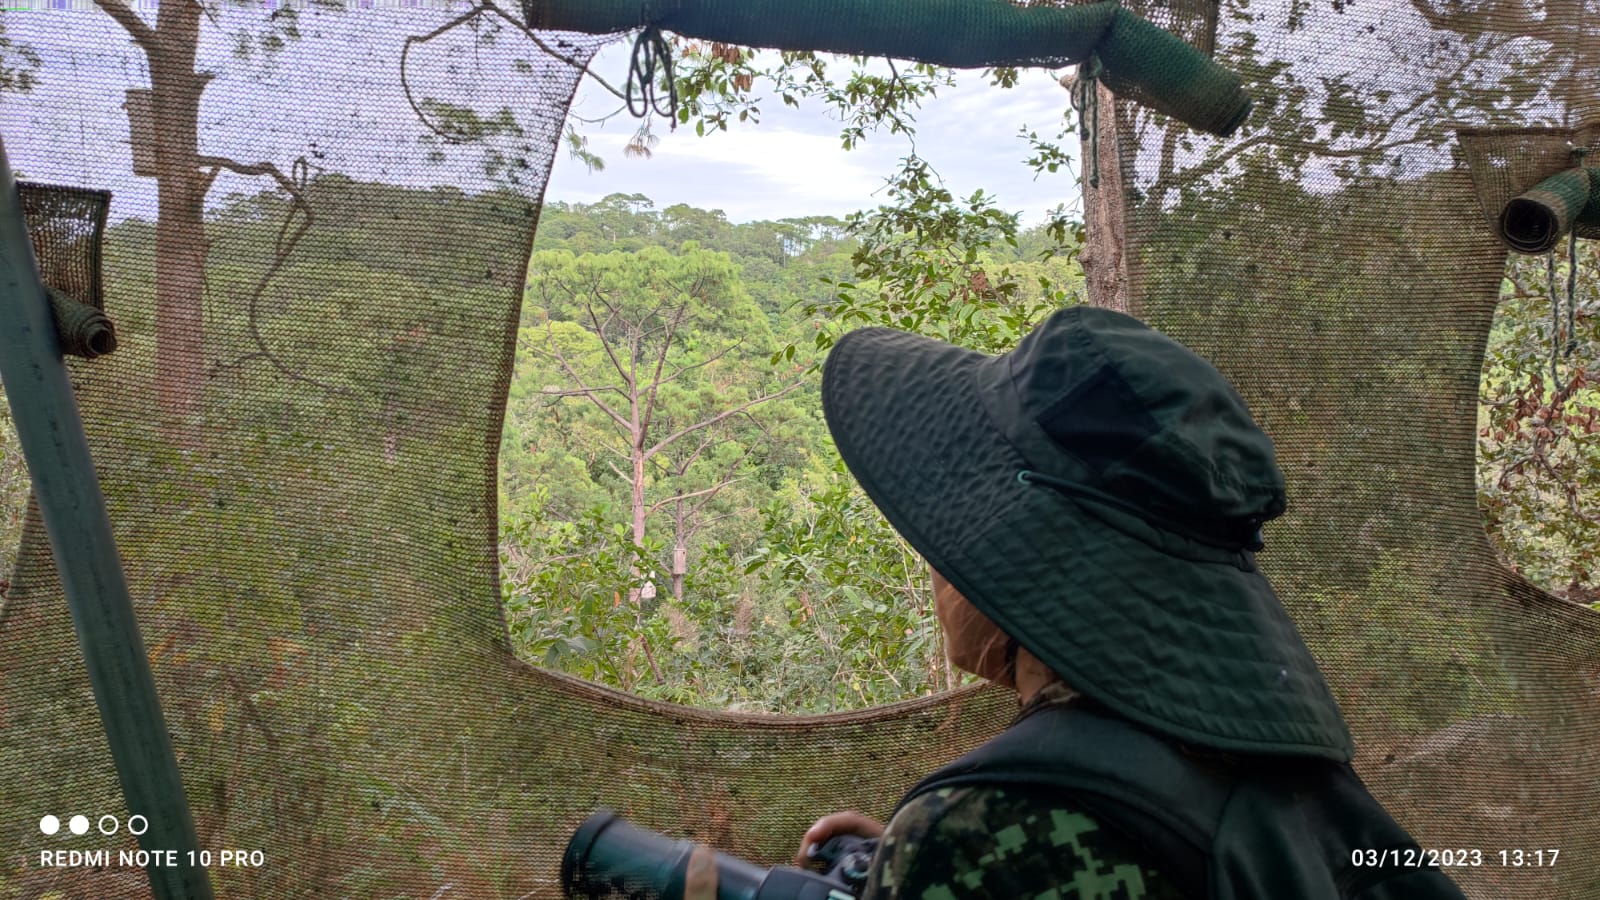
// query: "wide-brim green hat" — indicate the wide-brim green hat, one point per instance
point(1096, 492)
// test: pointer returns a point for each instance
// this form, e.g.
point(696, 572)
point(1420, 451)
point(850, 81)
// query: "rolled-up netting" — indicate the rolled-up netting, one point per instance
point(84, 331)
point(1535, 221)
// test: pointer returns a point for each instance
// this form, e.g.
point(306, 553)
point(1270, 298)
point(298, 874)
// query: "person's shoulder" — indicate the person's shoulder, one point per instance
point(980, 842)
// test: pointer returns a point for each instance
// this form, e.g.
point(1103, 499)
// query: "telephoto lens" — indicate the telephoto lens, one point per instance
point(610, 858)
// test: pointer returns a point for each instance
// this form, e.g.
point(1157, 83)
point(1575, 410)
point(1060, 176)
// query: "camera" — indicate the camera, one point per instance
point(609, 858)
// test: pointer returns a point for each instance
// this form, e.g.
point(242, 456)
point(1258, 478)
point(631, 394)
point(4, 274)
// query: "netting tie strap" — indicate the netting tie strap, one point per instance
point(1233, 535)
point(1559, 351)
point(1086, 101)
point(649, 51)
point(1578, 153)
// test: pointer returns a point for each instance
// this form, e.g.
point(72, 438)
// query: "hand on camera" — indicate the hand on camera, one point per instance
point(700, 882)
point(837, 823)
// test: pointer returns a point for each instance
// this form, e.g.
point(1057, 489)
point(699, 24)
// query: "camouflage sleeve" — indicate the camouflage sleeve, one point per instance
point(981, 843)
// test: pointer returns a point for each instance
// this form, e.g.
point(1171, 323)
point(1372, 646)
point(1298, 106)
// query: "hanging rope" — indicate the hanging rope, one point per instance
point(1572, 294)
point(1578, 154)
point(1086, 101)
point(649, 51)
point(1555, 323)
point(1558, 350)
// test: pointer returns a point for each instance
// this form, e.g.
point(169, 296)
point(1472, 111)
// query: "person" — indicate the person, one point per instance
point(1090, 505)
point(997, 842)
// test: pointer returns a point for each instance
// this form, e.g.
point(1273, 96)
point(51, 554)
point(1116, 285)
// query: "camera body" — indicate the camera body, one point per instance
point(609, 858)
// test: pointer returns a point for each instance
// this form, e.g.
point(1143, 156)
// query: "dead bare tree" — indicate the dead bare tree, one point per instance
point(640, 347)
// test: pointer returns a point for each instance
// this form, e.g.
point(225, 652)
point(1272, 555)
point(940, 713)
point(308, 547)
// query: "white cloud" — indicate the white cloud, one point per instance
point(748, 173)
point(792, 164)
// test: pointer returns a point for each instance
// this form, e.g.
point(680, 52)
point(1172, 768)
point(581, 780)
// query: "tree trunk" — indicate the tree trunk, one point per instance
point(637, 498)
point(680, 554)
point(180, 224)
point(638, 436)
point(1105, 265)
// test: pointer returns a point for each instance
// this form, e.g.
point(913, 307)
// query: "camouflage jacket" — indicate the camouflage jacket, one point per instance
point(988, 843)
point(978, 843)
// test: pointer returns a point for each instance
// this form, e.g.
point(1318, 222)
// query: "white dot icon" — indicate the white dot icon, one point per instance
point(49, 824)
point(79, 824)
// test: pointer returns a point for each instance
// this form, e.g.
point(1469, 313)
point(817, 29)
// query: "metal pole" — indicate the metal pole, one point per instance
point(51, 433)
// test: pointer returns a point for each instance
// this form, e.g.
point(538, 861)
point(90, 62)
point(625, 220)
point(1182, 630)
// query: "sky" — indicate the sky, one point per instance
point(335, 96)
point(338, 90)
point(792, 163)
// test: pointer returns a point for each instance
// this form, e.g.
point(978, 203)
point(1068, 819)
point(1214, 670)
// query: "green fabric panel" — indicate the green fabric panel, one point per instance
point(1158, 67)
point(1535, 221)
point(84, 330)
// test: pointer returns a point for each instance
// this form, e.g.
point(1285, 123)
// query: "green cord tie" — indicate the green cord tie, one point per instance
point(1578, 153)
point(1559, 352)
point(649, 50)
point(1086, 101)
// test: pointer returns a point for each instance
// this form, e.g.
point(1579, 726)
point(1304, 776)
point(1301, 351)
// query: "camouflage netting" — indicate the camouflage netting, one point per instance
point(66, 226)
point(307, 513)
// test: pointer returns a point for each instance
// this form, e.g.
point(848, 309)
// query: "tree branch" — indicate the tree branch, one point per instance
point(1491, 17)
point(661, 362)
point(260, 168)
point(1325, 148)
point(683, 468)
point(689, 429)
point(676, 498)
point(691, 530)
point(148, 39)
point(522, 26)
point(573, 374)
point(281, 253)
point(727, 479)
point(579, 392)
point(705, 362)
point(600, 332)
